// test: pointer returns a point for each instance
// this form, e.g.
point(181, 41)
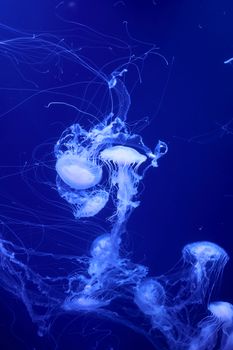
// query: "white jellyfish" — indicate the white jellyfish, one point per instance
point(78, 173)
point(150, 297)
point(122, 155)
point(215, 329)
point(104, 252)
point(223, 313)
point(207, 261)
point(204, 252)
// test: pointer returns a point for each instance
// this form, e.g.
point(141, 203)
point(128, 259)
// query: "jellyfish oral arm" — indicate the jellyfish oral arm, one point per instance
point(127, 188)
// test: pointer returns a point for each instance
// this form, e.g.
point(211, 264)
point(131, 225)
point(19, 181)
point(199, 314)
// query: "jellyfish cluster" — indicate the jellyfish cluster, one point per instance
point(99, 170)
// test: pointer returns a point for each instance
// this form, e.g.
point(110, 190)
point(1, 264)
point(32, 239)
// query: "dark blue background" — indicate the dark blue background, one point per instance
point(190, 105)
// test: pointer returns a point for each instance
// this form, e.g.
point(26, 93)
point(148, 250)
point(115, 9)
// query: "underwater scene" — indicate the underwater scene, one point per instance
point(116, 176)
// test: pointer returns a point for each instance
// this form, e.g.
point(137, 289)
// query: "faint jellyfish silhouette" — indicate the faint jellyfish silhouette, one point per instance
point(150, 297)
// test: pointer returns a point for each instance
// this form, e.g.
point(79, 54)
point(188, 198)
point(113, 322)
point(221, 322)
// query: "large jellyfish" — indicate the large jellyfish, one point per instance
point(98, 170)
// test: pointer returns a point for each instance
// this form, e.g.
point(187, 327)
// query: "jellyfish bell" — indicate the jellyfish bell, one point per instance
point(205, 258)
point(85, 203)
point(78, 172)
point(203, 252)
point(122, 155)
point(223, 311)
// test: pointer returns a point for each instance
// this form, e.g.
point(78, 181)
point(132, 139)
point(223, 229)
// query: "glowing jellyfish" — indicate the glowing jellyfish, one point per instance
point(223, 314)
point(204, 252)
point(78, 173)
point(104, 252)
point(150, 297)
point(215, 329)
point(207, 261)
point(122, 155)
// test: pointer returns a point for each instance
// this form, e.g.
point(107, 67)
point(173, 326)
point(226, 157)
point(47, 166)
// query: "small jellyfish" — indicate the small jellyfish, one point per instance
point(104, 252)
point(215, 329)
point(149, 296)
point(223, 314)
point(207, 262)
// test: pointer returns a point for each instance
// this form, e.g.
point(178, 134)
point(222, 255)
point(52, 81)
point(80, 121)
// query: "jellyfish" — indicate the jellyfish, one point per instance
point(150, 297)
point(223, 312)
point(206, 261)
point(216, 328)
point(77, 173)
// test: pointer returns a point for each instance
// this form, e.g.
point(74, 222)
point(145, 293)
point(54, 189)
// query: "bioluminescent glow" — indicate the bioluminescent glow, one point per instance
point(81, 157)
point(98, 171)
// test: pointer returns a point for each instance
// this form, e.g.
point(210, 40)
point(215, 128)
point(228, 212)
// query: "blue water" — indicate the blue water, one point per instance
point(181, 93)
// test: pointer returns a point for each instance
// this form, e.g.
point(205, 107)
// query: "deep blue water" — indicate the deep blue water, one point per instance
point(189, 105)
